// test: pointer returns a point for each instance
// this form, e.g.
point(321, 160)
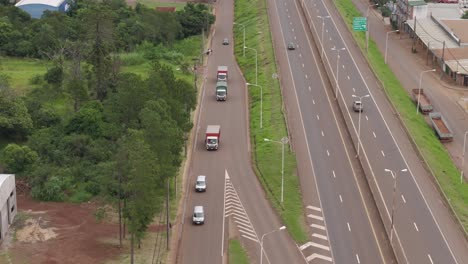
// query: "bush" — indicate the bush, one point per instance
point(50, 191)
point(80, 196)
point(132, 59)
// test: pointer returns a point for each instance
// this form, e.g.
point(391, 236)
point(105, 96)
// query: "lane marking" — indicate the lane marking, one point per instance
point(349, 227)
point(328, 153)
point(341, 199)
point(315, 255)
point(430, 259)
point(367, 118)
point(315, 217)
point(322, 133)
point(349, 78)
point(314, 208)
point(326, 30)
point(320, 236)
point(300, 55)
point(374, 134)
point(330, 38)
point(318, 118)
point(312, 244)
point(303, 67)
point(309, 88)
point(307, 77)
point(317, 226)
point(403, 198)
point(354, 90)
point(416, 226)
point(313, 101)
point(292, 29)
point(342, 66)
point(357, 257)
point(334, 175)
point(290, 23)
point(383, 154)
point(254, 240)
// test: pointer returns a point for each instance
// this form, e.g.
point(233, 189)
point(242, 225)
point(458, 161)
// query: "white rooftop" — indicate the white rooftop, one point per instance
point(440, 11)
point(460, 66)
point(54, 3)
point(430, 32)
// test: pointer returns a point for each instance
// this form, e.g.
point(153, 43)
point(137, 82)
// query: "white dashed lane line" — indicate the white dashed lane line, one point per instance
point(306, 76)
point(309, 88)
point(367, 118)
point(313, 101)
point(416, 226)
point(354, 89)
point(292, 29)
point(323, 134)
point(430, 259)
point(374, 134)
point(341, 199)
point(334, 175)
point(357, 257)
point(300, 55)
point(303, 67)
point(328, 153)
point(318, 117)
point(403, 198)
point(349, 78)
point(342, 66)
point(383, 154)
point(349, 227)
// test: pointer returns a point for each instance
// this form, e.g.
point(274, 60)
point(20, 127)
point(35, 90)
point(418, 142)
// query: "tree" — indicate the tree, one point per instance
point(194, 18)
point(465, 15)
point(88, 120)
point(15, 120)
point(18, 158)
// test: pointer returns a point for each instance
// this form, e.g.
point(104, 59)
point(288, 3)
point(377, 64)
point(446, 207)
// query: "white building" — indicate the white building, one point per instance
point(8, 207)
point(37, 7)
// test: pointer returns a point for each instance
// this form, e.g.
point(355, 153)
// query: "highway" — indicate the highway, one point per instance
point(417, 236)
point(338, 202)
point(230, 178)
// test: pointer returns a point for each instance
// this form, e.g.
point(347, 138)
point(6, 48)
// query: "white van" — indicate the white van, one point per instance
point(200, 185)
point(198, 217)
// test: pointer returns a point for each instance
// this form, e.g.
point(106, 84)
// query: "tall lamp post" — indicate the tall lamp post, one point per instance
point(323, 24)
point(243, 44)
point(395, 179)
point(256, 64)
point(463, 155)
point(359, 118)
point(419, 88)
point(386, 43)
point(261, 241)
point(337, 68)
point(283, 142)
point(261, 102)
point(368, 25)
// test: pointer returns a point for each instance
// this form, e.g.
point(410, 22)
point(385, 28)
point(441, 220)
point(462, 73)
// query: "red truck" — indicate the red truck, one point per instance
point(212, 137)
point(222, 74)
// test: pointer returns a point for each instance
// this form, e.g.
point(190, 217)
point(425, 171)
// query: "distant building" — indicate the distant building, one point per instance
point(37, 7)
point(8, 206)
point(409, 9)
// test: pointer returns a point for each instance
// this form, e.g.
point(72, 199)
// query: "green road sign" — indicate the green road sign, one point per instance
point(360, 24)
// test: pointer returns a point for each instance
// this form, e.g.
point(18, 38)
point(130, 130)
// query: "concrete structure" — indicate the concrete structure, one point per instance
point(409, 9)
point(8, 207)
point(36, 8)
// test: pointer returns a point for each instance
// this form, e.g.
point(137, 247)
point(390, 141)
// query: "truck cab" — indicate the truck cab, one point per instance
point(221, 91)
point(222, 74)
point(212, 143)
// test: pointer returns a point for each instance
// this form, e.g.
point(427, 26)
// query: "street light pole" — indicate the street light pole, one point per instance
point(323, 24)
point(261, 241)
point(256, 64)
point(283, 142)
point(463, 159)
point(395, 178)
point(386, 43)
point(368, 25)
point(337, 69)
point(243, 44)
point(359, 118)
point(261, 102)
point(419, 89)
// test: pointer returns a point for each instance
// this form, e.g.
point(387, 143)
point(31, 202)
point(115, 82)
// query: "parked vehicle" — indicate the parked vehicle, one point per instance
point(357, 106)
point(222, 73)
point(441, 127)
point(424, 103)
point(200, 185)
point(221, 91)
point(212, 137)
point(198, 217)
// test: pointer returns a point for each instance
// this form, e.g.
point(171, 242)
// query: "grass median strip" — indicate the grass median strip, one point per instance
point(434, 153)
point(267, 155)
point(237, 253)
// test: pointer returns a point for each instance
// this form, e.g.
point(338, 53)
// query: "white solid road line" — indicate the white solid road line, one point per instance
point(416, 226)
point(341, 199)
point(403, 198)
point(320, 236)
point(311, 207)
point(349, 227)
point(321, 227)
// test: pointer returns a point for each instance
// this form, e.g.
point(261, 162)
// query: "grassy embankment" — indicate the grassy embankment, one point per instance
point(267, 155)
point(237, 254)
point(435, 154)
point(155, 3)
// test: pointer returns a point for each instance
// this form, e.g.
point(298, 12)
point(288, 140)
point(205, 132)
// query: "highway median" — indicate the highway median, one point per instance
point(270, 124)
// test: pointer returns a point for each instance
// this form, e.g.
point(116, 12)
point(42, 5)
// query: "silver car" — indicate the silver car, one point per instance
point(200, 185)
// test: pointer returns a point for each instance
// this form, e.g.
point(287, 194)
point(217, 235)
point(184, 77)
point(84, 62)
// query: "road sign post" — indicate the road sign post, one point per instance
point(360, 24)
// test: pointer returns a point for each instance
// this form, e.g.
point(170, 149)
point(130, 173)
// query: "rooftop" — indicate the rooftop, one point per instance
point(432, 34)
point(444, 10)
point(458, 28)
point(54, 3)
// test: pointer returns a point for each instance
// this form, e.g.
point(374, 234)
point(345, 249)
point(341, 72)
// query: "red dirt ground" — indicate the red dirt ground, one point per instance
point(79, 236)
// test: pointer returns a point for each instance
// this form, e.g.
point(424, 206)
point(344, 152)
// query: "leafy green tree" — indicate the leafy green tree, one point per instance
point(194, 18)
point(15, 120)
point(18, 158)
point(465, 15)
point(88, 120)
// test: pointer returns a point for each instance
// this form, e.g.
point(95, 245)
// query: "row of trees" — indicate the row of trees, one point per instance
point(123, 27)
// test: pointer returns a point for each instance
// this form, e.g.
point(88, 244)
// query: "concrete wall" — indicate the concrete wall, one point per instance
point(8, 206)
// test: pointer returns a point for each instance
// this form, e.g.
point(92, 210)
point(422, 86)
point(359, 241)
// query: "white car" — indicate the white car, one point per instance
point(198, 217)
point(200, 185)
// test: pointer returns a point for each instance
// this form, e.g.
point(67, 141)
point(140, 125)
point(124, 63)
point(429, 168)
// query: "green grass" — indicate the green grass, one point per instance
point(267, 155)
point(21, 71)
point(154, 4)
point(435, 154)
point(237, 254)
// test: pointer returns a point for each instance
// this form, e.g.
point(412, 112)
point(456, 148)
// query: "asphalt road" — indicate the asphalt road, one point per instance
point(203, 244)
point(417, 236)
point(341, 199)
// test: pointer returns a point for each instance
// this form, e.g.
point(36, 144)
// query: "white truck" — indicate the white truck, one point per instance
point(212, 137)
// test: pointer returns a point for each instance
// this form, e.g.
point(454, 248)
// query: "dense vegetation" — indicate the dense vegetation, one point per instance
point(87, 128)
